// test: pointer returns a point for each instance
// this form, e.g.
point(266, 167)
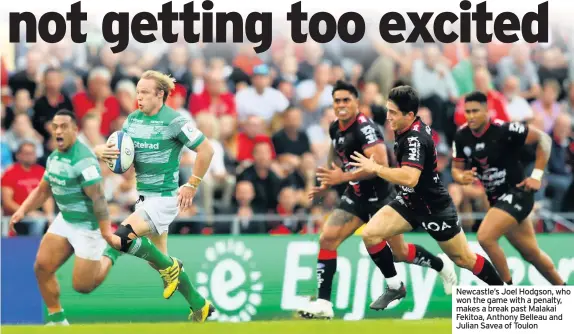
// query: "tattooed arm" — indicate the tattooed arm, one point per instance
point(96, 193)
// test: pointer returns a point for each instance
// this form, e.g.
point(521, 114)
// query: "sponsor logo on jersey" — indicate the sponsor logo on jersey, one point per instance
point(414, 148)
point(56, 180)
point(370, 134)
point(146, 145)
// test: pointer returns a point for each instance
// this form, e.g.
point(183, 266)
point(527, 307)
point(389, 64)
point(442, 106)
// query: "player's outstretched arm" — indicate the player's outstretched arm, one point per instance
point(405, 176)
point(96, 193)
point(543, 150)
point(331, 177)
point(34, 201)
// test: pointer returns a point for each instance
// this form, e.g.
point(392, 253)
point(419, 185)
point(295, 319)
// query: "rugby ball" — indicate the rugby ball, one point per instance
point(125, 145)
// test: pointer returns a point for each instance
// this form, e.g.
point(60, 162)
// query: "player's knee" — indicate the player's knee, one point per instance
point(369, 237)
point(43, 267)
point(82, 287)
point(124, 232)
point(485, 240)
point(329, 241)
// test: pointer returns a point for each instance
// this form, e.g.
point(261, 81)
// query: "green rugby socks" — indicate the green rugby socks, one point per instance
point(195, 300)
point(144, 249)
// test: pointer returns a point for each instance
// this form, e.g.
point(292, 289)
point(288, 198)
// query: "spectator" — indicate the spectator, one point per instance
point(126, 96)
point(90, 134)
point(287, 208)
point(319, 137)
point(303, 179)
point(547, 105)
point(18, 182)
point(197, 70)
point(559, 174)
point(517, 107)
point(313, 95)
point(553, 66)
point(50, 102)
point(495, 101)
point(463, 72)
point(291, 142)
point(260, 100)
point(176, 101)
point(431, 76)
point(216, 177)
point(254, 132)
point(519, 64)
point(371, 104)
point(22, 130)
point(289, 71)
point(214, 99)
point(98, 98)
point(266, 183)
point(435, 85)
point(22, 105)
point(245, 208)
point(426, 116)
point(568, 103)
point(28, 78)
point(177, 65)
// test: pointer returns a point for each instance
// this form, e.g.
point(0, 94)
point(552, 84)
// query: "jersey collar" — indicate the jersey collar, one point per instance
point(416, 121)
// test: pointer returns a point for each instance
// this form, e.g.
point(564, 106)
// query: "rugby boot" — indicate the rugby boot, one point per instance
point(389, 296)
point(203, 313)
point(170, 277)
point(162, 278)
point(317, 309)
point(447, 274)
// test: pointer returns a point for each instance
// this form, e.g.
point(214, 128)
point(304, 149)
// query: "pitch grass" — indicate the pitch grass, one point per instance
point(435, 326)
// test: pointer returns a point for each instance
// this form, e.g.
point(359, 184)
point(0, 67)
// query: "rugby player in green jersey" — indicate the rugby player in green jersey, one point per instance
point(159, 134)
point(82, 227)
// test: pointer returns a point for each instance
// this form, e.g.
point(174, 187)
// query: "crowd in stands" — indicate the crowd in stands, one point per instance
point(267, 116)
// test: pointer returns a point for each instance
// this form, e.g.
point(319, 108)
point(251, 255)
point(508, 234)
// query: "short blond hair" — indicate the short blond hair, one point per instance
point(163, 82)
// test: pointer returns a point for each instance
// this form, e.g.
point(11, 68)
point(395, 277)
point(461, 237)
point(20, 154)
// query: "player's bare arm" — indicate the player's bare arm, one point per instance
point(335, 176)
point(96, 193)
point(204, 155)
point(35, 200)
point(405, 176)
point(543, 151)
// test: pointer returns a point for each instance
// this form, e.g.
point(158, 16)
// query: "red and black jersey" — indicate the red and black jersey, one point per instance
point(415, 148)
point(494, 153)
point(357, 136)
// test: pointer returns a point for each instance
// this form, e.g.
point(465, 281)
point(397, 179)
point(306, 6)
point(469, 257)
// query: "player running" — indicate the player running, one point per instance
point(363, 197)
point(159, 134)
point(74, 178)
point(422, 200)
point(490, 151)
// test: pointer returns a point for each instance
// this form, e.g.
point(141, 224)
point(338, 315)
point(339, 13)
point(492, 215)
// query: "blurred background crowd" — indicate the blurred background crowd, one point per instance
point(267, 116)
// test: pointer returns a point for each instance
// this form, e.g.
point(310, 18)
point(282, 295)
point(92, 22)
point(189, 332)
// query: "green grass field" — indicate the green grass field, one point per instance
point(438, 326)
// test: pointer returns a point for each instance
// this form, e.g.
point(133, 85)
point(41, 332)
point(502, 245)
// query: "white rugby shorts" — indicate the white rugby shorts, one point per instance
point(87, 244)
point(161, 211)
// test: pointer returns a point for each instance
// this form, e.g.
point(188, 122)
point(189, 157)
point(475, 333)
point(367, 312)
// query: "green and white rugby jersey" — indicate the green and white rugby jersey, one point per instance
point(158, 142)
point(67, 173)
